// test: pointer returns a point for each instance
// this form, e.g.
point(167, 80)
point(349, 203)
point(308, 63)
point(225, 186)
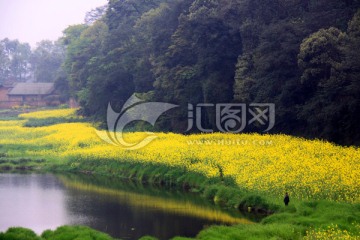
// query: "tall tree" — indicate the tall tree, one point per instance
point(95, 15)
point(46, 60)
point(329, 60)
point(17, 56)
point(192, 51)
point(4, 64)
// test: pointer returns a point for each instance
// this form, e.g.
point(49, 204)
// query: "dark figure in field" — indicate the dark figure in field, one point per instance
point(286, 199)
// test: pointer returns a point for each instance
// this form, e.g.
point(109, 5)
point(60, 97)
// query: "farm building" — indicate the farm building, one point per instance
point(32, 94)
point(5, 88)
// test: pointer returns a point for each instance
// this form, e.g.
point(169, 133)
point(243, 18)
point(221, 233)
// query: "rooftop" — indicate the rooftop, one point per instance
point(32, 89)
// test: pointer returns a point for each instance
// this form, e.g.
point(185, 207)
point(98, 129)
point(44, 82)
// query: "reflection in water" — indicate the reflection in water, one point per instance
point(122, 209)
point(33, 201)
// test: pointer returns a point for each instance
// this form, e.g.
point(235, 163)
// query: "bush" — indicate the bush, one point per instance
point(256, 201)
point(74, 233)
point(19, 234)
point(61, 233)
point(223, 196)
point(210, 192)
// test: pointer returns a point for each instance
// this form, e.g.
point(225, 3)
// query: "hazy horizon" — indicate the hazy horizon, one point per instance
point(36, 20)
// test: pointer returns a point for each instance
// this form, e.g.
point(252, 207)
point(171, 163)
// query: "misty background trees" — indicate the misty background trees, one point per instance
point(20, 64)
point(301, 55)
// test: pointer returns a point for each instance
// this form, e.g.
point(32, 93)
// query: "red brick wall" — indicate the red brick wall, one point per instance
point(36, 101)
point(8, 101)
point(3, 94)
point(5, 102)
point(9, 104)
point(15, 98)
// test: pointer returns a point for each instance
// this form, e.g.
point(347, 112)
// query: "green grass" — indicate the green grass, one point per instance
point(74, 233)
point(252, 232)
point(61, 233)
point(9, 114)
point(33, 122)
point(291, 222)
point(19, 234)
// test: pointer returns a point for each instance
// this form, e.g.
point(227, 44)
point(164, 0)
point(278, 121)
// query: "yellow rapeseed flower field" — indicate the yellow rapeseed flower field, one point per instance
point(331, 232)
point(273, 164)
point(55, 113)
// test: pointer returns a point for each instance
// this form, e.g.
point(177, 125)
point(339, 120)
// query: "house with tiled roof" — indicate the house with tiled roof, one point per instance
point(31, 94)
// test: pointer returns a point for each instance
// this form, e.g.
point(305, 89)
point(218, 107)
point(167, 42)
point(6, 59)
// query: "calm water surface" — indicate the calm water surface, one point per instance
point(122, 209)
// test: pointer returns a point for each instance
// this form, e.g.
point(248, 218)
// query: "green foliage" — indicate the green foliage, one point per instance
point(317, 214)
point(326, 59)
point(33, 122)
point(61, 233)
point(148, 238)
point(296, 54)
point(74, 233)
point(320, 56)
point(198, 65)
point(253, 232)
point(254, 200)
point(291, 222)
point(19, 234)
point(14, 60)
point(46, 60)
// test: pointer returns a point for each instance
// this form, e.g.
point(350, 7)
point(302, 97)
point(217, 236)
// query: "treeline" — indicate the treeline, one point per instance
point(302, 55)
point(20, 63)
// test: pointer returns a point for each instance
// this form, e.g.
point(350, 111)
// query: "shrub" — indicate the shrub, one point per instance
point(74, 233)
point(18, 233)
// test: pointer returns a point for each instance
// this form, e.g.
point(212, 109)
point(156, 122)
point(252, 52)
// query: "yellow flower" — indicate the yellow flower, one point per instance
point(273, 164)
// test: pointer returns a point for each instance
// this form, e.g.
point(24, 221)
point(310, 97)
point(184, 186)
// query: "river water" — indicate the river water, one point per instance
point(122, 209)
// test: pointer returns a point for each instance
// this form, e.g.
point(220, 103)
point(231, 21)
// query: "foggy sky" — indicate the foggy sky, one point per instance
point(35, 20)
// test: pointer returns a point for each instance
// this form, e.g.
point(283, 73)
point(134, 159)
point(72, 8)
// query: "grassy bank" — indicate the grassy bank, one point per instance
point(61, 233)
point(243, 170)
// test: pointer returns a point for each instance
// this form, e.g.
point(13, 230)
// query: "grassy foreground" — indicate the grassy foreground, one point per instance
point(242, 170)
point(61, 233)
